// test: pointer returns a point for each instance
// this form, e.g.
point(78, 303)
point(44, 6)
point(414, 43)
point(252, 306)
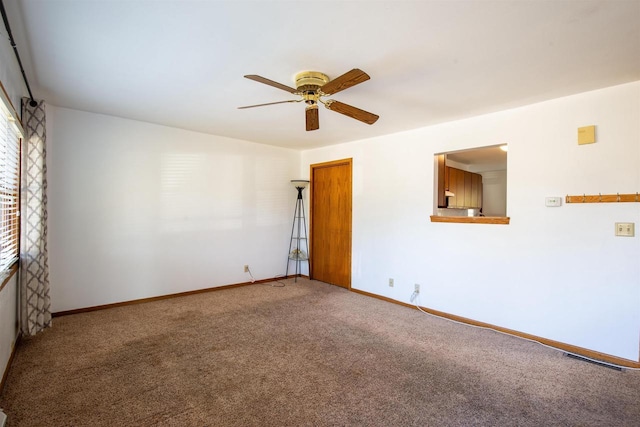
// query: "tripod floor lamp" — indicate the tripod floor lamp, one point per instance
point(298, 232)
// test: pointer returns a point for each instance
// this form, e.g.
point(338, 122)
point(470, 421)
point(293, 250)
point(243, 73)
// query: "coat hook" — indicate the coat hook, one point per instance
point(600, 200)
point(636, 196)
point(618, 197)
point(584, 198)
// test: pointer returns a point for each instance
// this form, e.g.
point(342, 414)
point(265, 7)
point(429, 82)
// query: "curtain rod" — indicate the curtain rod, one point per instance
point(33, 102)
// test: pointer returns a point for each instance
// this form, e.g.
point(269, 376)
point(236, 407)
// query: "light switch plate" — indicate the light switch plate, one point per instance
point(625, 229)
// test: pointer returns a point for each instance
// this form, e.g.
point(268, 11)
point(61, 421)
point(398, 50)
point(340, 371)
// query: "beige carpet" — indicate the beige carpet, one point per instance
point(307, 354)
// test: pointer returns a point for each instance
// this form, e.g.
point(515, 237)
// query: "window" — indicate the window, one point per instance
point(471, 186)
point(10, 134)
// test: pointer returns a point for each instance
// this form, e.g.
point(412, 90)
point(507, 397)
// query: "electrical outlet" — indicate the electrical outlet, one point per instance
point(553, 202)
point(625, 229)
point(417, 288)
point(246, 268)
point(390, 282)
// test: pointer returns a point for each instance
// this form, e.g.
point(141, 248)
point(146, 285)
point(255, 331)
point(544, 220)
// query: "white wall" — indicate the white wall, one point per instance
point(558, 273)
point(138, 210)
point(10, 73)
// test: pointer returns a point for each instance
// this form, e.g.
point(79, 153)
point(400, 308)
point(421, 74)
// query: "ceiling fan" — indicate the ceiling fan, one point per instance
point(311, 86)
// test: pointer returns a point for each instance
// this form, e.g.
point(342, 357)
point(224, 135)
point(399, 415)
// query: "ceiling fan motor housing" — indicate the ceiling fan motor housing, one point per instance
point(310, 78)
point(308, 84)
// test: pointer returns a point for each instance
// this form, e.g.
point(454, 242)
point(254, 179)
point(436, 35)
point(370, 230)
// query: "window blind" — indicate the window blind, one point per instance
point(10, 134)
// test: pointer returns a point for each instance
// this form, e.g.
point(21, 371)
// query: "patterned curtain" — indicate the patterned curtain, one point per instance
point(35, 304)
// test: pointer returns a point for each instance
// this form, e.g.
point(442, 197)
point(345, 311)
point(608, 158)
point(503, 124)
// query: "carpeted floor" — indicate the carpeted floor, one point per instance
point(307, 354)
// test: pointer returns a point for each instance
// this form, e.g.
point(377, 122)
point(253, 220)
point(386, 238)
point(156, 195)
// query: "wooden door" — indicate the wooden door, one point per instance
point(330, 251)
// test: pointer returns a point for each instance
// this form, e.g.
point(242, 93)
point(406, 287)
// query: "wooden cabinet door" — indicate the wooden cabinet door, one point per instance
point(476, 190)
point(442, 200)
point(446, 177)
point(453, 187)
point(468, 180)
point(459, 180)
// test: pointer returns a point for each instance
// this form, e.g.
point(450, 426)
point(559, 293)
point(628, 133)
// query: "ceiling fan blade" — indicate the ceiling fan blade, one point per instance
point(269, 103)
point(345, 81)
point(313, 122)
point(266, 81)
point(353, 112)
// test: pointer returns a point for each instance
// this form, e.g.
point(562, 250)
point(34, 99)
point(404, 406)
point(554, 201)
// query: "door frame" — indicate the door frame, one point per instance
point(312, 168)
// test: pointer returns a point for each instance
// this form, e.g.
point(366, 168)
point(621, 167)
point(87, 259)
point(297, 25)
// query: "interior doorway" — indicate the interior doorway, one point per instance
point(330, 219)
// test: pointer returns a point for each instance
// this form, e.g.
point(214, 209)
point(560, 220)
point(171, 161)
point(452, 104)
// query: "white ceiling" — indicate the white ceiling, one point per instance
point(181, 63)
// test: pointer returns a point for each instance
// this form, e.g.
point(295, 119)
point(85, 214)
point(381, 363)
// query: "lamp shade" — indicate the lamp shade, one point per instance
point(300, 183)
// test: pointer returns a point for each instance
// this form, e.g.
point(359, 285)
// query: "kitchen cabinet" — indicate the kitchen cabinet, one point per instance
point(467, 187)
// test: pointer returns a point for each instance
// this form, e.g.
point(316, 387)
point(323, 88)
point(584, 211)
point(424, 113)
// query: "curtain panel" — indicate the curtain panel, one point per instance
point(35, 303)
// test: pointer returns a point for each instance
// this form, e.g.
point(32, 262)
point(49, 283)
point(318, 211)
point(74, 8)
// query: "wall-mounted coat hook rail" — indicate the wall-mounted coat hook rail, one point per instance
point(603, 198)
